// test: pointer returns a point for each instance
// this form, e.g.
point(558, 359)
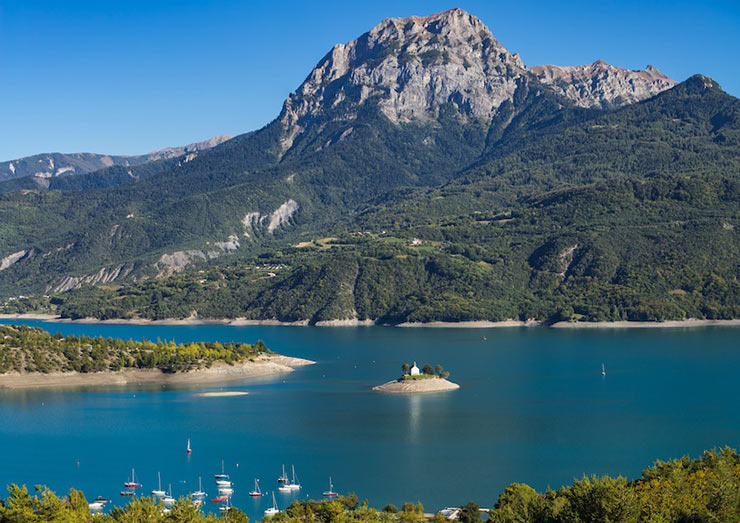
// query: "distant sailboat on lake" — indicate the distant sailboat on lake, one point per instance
point(159, 492)
point(603, 370)
point(273, 509)
point(330, 493)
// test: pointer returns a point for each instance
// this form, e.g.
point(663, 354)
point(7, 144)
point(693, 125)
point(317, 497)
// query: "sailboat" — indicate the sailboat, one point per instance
point(273, 509)
point(603, 370)
point(198, 493)
point(189, 449)
point(330, 493)
point(159, 492)
point(294, 483)
point(222, 475)
point(256, 493)
point(132, 483)
point(168, 499)
point(284, 477)
point(225, 507)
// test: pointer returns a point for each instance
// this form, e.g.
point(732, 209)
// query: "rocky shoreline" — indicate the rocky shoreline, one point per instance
point(265, 365)
point(474, 324)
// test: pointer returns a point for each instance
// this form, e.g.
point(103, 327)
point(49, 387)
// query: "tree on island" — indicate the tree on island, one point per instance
point(405, 368)
point(428, 370)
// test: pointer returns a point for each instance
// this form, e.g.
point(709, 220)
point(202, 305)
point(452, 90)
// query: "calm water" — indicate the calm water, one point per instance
point(533, 408)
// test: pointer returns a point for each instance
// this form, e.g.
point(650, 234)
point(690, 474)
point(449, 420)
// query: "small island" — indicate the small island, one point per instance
point(31, 357)
point(414, 380)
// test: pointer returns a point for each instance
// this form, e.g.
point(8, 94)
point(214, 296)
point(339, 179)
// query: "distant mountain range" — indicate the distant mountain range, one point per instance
point(421, 172)
point(49, 165)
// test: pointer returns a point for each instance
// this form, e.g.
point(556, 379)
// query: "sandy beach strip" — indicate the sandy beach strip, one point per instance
point(265, 365)
point(224, 394)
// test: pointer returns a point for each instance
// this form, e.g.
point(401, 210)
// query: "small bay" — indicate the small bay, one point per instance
point(533, 407)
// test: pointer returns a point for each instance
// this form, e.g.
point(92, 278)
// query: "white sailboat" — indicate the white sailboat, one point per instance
point(256, 493)
point(198, 493)
point(168, 499)
point(159, 492)
point(294, 483)
point(189, 449)
point(273, 509)
point(222, 475)
point(603, 370)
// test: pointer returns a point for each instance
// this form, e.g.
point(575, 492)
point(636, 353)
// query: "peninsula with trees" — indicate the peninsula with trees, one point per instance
point(32, 357)
point(413, 380)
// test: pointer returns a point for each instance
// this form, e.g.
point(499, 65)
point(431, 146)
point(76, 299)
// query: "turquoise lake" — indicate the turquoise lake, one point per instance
point(533, 407)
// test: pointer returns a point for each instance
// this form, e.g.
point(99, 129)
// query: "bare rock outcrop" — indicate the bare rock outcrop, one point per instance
point(602, 85)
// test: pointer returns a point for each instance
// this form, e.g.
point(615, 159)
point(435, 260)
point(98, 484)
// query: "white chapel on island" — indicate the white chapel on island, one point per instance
point(414, 370)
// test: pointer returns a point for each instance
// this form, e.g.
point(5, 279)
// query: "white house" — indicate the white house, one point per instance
point(414, 370)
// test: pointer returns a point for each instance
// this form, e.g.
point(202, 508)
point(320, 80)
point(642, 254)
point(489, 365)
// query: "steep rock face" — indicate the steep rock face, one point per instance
point(51, 165)
point(602, 85)
point(409, 67)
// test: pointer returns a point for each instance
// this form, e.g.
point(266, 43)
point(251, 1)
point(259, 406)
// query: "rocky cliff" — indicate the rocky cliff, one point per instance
point(602, 85)
point(411, 67)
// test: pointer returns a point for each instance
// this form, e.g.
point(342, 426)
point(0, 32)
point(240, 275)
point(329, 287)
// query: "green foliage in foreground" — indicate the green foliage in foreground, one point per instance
point(683, 490)
point(30, 349)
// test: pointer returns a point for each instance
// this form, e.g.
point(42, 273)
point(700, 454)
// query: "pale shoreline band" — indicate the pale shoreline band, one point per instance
point(265, 365)
point(360, 323)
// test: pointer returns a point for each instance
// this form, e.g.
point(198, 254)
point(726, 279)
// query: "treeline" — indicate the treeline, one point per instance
point(30, 349)
point(681, 491)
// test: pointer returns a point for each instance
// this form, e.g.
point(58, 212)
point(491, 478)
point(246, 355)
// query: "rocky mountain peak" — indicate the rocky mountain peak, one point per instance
point(410, 66)
point(603, 85)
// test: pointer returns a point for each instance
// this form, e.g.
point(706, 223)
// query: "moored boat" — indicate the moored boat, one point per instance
point(159, 492)
point(132, 482)
point(198, 493)
point(294, 483)
point(256, 493)
point(168, 499)
point(273, 509)
point(223, 475)
point(283, 478)
point(330, 493)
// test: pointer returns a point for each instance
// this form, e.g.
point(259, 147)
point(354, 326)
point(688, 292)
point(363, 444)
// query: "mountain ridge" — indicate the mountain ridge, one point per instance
point(43, 166)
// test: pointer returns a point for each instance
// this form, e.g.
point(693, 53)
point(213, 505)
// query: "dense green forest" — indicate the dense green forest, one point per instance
point(30, 349)
point(548, 212)
point(665, 247)
point(683, 490)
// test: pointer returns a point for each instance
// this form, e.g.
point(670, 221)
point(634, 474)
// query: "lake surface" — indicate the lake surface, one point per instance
point(533, 407)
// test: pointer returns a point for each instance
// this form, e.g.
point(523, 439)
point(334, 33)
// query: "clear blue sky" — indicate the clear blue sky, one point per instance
point(130, 77)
